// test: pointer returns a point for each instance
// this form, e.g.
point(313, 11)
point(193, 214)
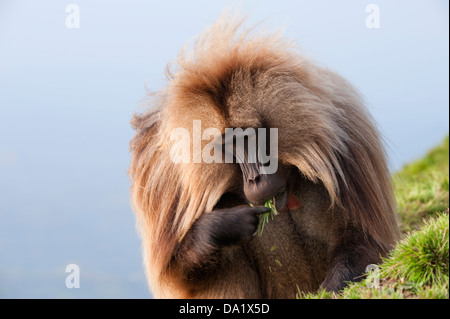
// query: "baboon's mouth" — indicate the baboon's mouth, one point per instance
point(279, 199)
point(282, 199)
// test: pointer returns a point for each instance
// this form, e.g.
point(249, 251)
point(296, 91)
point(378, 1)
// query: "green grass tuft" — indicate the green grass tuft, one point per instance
point(423, 256)
point(264, 218)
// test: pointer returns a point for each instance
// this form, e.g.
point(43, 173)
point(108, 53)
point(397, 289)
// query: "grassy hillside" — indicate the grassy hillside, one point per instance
point(422, 187)
point(418, 267)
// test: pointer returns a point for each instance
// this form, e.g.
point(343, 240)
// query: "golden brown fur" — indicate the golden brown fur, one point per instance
point(241, 78)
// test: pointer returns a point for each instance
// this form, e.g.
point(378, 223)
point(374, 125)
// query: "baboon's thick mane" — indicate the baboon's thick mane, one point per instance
point(236, 77)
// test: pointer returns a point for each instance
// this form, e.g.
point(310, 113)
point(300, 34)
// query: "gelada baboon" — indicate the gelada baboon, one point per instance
point(332, 187)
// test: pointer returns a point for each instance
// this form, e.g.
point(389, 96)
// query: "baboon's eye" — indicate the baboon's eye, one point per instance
point(266, 164)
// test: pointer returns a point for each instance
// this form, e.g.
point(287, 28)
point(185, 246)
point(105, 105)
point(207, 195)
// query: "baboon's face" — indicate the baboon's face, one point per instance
point(260, 181)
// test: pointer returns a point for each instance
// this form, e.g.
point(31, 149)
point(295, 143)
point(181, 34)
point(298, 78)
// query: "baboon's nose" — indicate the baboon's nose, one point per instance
point(254, 178)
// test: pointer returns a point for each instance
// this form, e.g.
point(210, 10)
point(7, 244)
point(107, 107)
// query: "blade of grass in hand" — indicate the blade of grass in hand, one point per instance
point(264, 218)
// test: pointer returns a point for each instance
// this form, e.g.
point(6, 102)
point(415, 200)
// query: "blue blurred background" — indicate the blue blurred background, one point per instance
point(67, 95)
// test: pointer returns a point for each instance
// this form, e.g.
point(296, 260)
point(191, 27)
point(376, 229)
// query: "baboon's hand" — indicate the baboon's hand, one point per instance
point(231, 226)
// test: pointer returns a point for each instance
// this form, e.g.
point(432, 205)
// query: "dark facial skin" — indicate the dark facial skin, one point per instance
point(259, 187)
